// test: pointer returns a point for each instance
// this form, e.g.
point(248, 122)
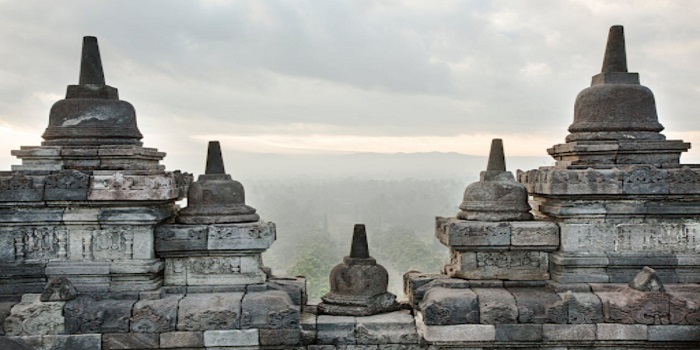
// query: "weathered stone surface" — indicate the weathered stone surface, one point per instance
point(114, 341)
point(308, 328)
point(616, 331)
point(543, 236)
point(462, 234)
point(647, 281)
point(454, 333)
point(416, 284)
point(87, 314)
point(565, 332)
point(182, 340)
point(59, 289)
point(270, 309)
point(583, 307)
point(34, 317)
point(444, 306)
point(335, 330)
point(674, 333)
point(396, 327)
point(53, 342)
point(358, 284)
point(539, 305)
point(215, 197)
point(233, 337)
point(155, 316)
point(496, 306)
point(295, 287)
point(279, 337)
point(210, 311)
point(214, 270)
point(518, 332)
point(508, 265)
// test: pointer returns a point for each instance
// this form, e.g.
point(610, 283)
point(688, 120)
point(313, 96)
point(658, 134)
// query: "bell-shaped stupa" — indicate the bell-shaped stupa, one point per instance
point(215, 198)
point(615, 120)
point(496, 197)
point(358, 284)
point(91, 114)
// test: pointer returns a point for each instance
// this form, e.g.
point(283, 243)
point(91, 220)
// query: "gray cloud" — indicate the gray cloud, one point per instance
point(347, 67)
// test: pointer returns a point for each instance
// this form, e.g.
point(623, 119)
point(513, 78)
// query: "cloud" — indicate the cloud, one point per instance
point(359, 70)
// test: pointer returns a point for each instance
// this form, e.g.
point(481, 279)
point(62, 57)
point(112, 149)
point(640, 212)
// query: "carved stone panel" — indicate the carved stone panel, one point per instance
point(124, 186)
point(109, 243)
point(257, 236)
point(511, 265)
point(209, 311)
point(19, 187)
point(462, 234)
point(34, 317)
point(40, 243)
point(66, 185)
point(645, 179)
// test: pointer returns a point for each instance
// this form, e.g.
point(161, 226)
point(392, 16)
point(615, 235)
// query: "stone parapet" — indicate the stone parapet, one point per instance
point(615, 181)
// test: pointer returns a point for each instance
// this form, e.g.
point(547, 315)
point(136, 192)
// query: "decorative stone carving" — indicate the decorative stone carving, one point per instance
point(34, 317)
point(447, 306)
point(40, 243)
point(269, 309)
point(155, 316)
point(58, 289)
point(496, 197)
point(358, 284)
point(209, 311)
point(87, 314)
point(18, 187)
point(66, 185)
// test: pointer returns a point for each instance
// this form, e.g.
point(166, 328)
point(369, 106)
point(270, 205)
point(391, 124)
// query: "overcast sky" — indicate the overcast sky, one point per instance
point(345, 76)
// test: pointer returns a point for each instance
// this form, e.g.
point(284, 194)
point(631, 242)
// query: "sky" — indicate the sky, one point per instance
point(337, 77)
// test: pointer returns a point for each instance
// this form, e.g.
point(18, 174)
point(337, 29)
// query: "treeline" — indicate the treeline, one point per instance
point(315, 221)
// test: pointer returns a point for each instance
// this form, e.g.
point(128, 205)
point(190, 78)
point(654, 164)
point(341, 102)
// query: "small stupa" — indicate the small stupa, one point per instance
point(496, 197)
point(358, 284)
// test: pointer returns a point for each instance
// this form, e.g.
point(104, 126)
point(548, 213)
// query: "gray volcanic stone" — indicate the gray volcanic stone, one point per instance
point(87, 314)
point(335, 330)
point(496, 306)
point(59, 289)
point(155, 316)
point(295, 287)
point(647, 281)
point(396, 327)
point(444, 306)
point(518, 332)
point(216, 198)
point(359, 284)
point(209, 311)
point(92, 113)
point(113, 341)
point(181, 340)
point(496, 197)
point(35, 317)
point(269, 309)
point(539, 305)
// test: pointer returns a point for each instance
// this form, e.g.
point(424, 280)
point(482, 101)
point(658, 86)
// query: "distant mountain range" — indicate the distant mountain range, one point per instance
point(431, 165)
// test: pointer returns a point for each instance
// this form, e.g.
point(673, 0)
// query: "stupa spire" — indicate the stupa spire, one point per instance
point(359, 248)
point(497, 158)
point(615, 59)
point(215, 162)
point(90, 63)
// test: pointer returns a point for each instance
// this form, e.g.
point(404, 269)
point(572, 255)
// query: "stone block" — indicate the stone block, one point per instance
point(399, 347)
point(616, 331)
point(66, 185)
point(444, 306)
point(518, 332)
point(568, 332)
point(256, 236)
point(114, 341)
point(52, 342)
point(155, 316)
point(539, 305)
point(177, 240)
point(496, 306)
point(232, 337)
point(308, 328)
point(583, 307)
point(87, 314)
point(395, 327)
point(645, 179)
point(335, 330)
point(279, 337)
point(455, 333)
point(659, 333)
point(537, 235)
point(462, 234)
point(269, 309)
point(182, 340)
point(215, 311)
point(33, 317)
point(214, 270)
point(294, 286)
point(509, 265)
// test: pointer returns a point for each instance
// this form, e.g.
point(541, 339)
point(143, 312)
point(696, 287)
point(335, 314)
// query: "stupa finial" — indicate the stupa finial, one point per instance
point(215, 162)
point(615, 54)
point(359, 248)
point(497, 158)
point(90, 63)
